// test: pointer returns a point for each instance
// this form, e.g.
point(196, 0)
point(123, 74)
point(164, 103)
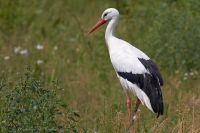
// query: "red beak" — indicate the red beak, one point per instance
point(97, 25)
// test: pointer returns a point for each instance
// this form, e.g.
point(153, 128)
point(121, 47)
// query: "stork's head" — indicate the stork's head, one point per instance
point(108, 14)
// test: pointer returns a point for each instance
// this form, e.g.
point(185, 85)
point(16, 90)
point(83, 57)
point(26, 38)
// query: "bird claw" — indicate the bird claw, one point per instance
point(134, 118)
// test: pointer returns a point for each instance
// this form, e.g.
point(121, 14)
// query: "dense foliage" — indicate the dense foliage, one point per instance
point(27, 106)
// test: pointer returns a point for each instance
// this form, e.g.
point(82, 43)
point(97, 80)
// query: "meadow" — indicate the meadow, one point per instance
point(56, 78)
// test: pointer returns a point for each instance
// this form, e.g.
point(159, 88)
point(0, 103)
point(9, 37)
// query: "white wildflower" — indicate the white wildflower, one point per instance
point(185, 78)
point(24, 52)
point(191, 73)
point(17, 49)
point(35, 107)
point(40, 62)
point(39, 47)
point(176, 71)
point(6, 57)
point(186, 74)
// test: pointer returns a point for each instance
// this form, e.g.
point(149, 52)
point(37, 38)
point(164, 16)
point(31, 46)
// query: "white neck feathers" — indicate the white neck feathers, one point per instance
point(110, 30)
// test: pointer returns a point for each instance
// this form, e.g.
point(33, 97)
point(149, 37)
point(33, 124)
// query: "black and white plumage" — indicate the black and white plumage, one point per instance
point(149, 83)
point(135, 70)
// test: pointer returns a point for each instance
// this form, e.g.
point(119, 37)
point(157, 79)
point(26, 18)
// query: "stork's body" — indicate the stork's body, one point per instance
point(135, 70)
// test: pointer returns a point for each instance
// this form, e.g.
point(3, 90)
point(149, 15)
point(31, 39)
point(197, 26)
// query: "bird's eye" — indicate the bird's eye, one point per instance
point(105, 14)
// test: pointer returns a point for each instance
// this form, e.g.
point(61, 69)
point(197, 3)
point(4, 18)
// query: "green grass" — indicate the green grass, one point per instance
point(168, 31)
point(31, 107)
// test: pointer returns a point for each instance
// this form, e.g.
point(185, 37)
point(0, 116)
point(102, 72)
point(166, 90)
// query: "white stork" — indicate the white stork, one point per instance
point(135, 70)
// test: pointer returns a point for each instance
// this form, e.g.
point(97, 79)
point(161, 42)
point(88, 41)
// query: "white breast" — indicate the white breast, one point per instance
point(124, 57)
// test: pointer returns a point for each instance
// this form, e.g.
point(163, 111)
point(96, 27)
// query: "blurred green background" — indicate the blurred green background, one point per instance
point(49, 37)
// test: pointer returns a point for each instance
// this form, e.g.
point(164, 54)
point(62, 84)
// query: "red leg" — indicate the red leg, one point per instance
point(128, 104)
point(137, 104)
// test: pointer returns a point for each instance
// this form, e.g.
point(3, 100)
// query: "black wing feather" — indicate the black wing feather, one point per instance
point(152, 68)
point(149, 83)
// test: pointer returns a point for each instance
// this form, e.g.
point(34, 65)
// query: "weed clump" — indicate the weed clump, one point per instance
point(28, 106)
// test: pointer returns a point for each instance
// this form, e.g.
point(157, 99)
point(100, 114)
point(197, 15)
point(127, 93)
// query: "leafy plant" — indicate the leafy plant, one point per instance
point(29, 106)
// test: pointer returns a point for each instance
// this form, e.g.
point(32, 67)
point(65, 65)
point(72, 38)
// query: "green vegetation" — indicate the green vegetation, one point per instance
point(50, 37)
point(29, 107)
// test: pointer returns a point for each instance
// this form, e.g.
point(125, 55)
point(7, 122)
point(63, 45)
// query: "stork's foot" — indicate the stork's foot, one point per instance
point(131, 122)
point(134, 118)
